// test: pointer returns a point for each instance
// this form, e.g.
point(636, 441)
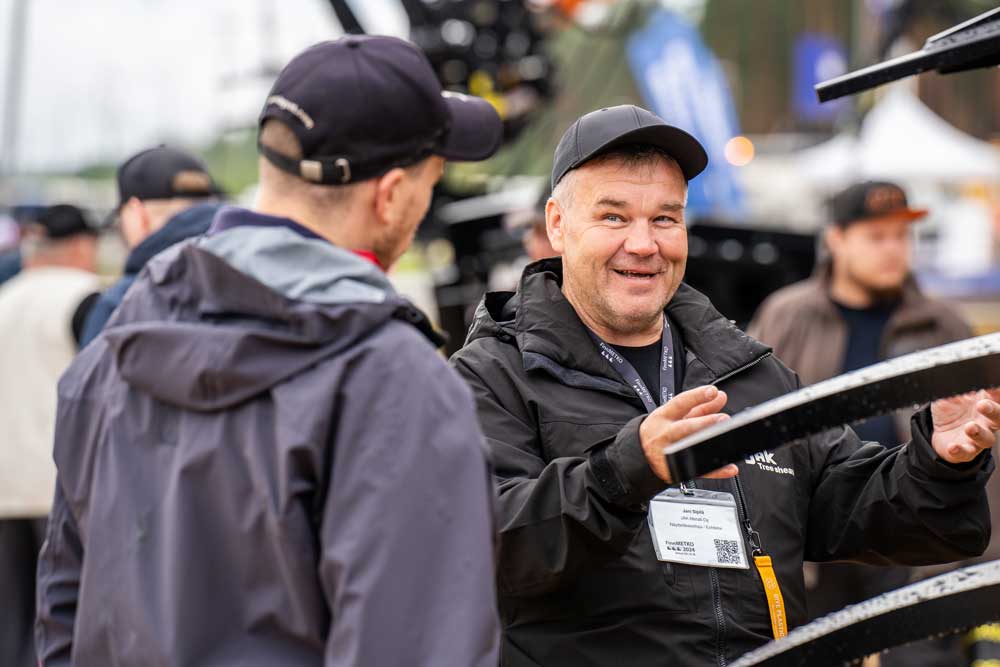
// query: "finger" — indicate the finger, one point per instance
point(685, 427)
point(683, 403)
point(725, 472)
point(993, 394)
point(969, 444)
point(980, 437)
point(988, 414)
point(710, 408)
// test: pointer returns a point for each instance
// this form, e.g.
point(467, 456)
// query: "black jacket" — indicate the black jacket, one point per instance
point(578, 579)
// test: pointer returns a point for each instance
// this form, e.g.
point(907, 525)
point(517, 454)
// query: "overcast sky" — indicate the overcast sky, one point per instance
point(105, 78)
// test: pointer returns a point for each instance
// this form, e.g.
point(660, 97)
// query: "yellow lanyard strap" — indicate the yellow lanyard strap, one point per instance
point(775, 603)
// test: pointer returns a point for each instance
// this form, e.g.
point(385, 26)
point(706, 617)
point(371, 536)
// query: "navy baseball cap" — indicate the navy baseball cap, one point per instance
point(364, 104)
point(602, 131)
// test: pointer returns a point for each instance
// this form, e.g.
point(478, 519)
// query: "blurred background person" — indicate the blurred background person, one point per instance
point(40, 321)
point(165, 195)
point(861, 306)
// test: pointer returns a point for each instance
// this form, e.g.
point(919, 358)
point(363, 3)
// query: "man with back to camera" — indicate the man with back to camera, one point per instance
point(40, 325)
point(861, 306)
point(165, 195)
point(262, 460)
point(564, 372)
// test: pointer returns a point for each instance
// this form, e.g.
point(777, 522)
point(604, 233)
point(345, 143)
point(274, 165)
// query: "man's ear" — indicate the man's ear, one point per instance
point(391, 197)
point(554, 223)
point(136, 223)
point(833, 237)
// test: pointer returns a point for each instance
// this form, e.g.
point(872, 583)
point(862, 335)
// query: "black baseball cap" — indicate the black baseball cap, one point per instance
point(364, 104)
point(163, 172)
point(64, 220)
point(601, 131)
point(872, 200)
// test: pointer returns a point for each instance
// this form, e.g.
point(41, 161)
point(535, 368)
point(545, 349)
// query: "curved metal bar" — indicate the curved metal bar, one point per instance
point(902, 382)
point(945, 604)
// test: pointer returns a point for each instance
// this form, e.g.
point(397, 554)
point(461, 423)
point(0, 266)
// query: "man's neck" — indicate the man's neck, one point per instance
point(644, 336)
point(351, 234)
point(849, 293)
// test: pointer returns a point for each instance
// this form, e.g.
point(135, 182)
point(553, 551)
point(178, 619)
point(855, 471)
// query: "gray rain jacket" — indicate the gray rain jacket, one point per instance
point(263, 461)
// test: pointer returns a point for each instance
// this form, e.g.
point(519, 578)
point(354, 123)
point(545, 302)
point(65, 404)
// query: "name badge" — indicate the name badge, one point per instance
point(697, 527)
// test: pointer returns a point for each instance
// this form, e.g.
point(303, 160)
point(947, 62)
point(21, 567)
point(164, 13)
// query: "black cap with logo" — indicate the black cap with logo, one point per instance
point(163, 173)
point(872, 200)
point(602, 131)
point(63, 221)
point(364, 104)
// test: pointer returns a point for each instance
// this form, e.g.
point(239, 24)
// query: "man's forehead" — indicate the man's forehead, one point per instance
point(615, 180)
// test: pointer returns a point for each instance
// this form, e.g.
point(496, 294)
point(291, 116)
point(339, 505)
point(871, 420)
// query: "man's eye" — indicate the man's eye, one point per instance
point(613, 217)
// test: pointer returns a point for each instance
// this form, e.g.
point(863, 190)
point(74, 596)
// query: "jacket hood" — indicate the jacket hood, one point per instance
point(223, 318)
point(188, 223)
point(547, 329)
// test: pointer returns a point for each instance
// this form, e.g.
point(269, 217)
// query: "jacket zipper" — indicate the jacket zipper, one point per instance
point(743, 510)
point(742, 368)
point(743, 507)
point(720, 617)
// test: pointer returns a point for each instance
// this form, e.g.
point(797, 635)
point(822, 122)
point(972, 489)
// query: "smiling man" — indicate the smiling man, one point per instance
point(601, 359)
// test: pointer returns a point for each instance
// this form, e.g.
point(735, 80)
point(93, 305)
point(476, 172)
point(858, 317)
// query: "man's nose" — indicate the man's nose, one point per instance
point(640, 240)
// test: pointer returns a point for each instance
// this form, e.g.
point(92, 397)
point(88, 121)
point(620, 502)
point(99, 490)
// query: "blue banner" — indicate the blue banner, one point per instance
point(681, 81)
point(817, 58)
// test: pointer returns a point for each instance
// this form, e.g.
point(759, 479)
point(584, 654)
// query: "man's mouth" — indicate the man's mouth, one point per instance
point(637, 274)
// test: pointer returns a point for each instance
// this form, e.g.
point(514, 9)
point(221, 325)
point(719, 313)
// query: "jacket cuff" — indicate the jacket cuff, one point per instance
point(924, 459)
point(627, 461)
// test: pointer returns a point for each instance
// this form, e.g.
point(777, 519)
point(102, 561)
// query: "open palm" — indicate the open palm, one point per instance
point(965, 425)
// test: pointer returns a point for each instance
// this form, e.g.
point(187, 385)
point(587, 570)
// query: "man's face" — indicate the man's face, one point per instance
point(408, 208)
point(623, 242)
point(874, 254)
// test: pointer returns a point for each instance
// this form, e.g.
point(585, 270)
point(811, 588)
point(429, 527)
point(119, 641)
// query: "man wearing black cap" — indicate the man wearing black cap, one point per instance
point(164, 196)
point(262, 459)
point(601, 359)
point(39, 327)
point(860, 307)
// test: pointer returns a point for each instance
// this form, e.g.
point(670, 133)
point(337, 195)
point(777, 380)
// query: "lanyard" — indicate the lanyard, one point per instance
point(631, 376)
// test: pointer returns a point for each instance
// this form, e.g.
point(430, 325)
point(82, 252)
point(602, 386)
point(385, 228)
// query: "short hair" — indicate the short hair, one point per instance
point(277, 136)
point(628, 155)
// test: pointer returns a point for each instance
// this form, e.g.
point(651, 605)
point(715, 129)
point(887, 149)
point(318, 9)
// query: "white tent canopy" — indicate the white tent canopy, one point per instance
point(901, 139)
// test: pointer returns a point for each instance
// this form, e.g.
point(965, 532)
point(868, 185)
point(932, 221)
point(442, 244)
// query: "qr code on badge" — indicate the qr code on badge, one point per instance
point(727, 552)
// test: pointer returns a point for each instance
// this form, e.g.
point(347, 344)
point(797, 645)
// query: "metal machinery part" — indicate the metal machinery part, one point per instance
point(909, 380)
point(945, 604)
point(970, 45)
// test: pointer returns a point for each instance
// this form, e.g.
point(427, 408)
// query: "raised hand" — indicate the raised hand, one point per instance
point(965, 425)
point(684, 414)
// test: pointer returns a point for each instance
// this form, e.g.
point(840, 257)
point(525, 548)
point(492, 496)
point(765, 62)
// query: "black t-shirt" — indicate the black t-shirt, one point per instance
point(646, 361)
point(865, 327)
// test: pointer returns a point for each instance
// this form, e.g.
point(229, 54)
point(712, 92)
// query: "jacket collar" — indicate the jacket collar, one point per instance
point(911, 311)
point(188, 223)
point(552, 338)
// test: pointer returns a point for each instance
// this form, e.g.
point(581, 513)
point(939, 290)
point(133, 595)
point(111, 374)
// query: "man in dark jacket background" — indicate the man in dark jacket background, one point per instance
point(261, 459)
point(564, 372)
point(862, 306)
point(165, 195)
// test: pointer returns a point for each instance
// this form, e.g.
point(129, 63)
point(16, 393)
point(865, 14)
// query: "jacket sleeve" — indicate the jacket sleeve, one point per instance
point(558, 517)
point(59, 566)
point(896, 506)
point(407, 531)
